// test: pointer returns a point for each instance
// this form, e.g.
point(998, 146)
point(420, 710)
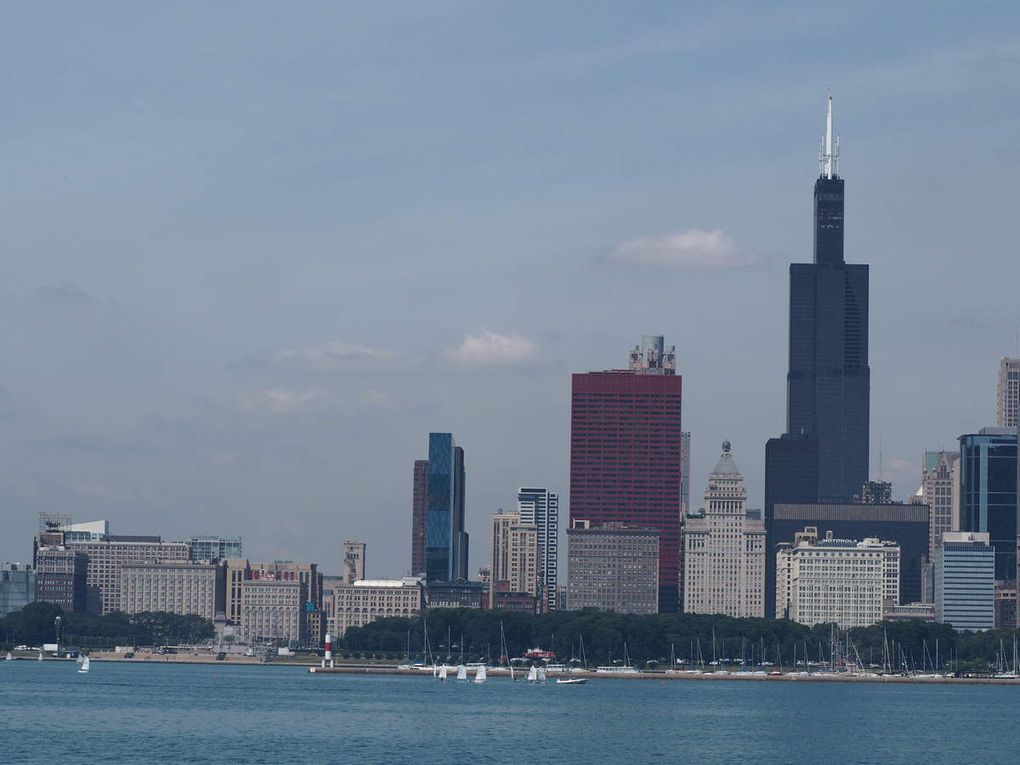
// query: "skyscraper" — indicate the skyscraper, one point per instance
point(1007, 397)
point(354, 561)
point(446, 542)
point(823, 456)
point(724, 548)
point(988, 492)
point(514, 559)
point(829, 381)
point(626, 444)
point(419, 511)
point(540, 508)
point(937, 491)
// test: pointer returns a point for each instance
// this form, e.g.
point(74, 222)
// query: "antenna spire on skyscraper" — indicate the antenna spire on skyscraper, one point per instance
point(830, 146)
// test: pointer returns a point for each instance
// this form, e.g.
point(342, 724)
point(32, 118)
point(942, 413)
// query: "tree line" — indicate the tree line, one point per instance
point(655, 639)
point(35, 624)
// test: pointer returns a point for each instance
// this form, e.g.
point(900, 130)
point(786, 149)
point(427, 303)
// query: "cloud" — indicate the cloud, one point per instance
point(695, 249)
point(283, 401)
point(67, 294)
point(331, 356)
point(489, 348)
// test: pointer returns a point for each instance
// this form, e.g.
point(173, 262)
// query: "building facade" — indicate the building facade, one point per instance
point(273, 611)
point(105, 560)
point(965, 581)
point(1007, 393)
point(365, 601)
point(906, 525)
point(311, 622)
point(354, 561)
point(17, 587)
point(213, 549)
point(419, 515)
point(514, 563)
point(446, 541)
point(724, 548)
point(60, 578)
point(175, 588)
point(540, 508)
point(841, 581)
point(940, 492)
point(613, 568)
point(626, 446)
point(988, 482)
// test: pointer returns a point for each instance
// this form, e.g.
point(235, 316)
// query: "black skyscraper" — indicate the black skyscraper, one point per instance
point(829, 382)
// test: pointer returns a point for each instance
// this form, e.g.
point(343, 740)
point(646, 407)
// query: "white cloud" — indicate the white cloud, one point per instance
point(282, 401)
point(489, 348)
point(695, 248)
point(331, 356)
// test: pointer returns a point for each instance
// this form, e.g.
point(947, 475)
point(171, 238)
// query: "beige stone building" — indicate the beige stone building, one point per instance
point(1007, 393)
point(724, 548)
point(613, 568)
point(175, 588)
point(272, 610)
point(240, 573)
point(940, 492)
point(358, 604)
point(851, 583)
point(515, 561)
point(105, 559)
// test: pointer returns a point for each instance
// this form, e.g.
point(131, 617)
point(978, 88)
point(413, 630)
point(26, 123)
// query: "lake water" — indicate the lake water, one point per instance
point(122, 712)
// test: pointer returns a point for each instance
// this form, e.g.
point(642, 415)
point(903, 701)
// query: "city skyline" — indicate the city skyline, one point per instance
point(231, 323)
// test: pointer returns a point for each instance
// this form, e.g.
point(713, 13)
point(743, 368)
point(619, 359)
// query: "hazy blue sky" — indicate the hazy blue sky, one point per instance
point(254, 252)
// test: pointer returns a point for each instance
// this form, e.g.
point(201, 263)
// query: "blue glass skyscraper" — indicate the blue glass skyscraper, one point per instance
point(446, 542)
point(988, 492)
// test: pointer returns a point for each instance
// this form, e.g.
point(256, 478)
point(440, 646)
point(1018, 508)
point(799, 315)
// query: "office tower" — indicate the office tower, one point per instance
point(213, 548)
point(988, 483)
point(841, 581)
point(17, 587)
point(685, 471)
point(446, 542)
point(354, 561)
point(906, 525)
point(182, 588)
point(60, 578)
point(613, 568)
point(937, 491)
point(361, 603)
point(419, 515)
point(724, 548)
point(965, 581)
point(540, 508)
point(828, 385)
point(626, 443)
point(1007, 397)
point(514, 547)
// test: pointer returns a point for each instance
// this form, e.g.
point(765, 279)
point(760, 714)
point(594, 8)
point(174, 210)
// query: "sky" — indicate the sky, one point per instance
point(252, 253)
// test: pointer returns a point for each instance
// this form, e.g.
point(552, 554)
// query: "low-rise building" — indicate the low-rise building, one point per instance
point(965, 581)
point(177, 588)
point(845, 581)
point(612, 567)
point(457, 595)
point(361, 603)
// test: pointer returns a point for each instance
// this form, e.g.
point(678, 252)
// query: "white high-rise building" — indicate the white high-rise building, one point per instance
point(540, 508)
point(514, 562)
point(843, 581)
point(724, 548)
point(965, 581)
point(1007, 393)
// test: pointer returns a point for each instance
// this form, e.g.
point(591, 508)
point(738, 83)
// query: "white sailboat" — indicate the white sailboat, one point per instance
point(541, 674)
point(532, 674)
point(9, 657)
point(462, 672)
point(571, 680)
point(442, 673)
point(480, 676)
point(84, 665)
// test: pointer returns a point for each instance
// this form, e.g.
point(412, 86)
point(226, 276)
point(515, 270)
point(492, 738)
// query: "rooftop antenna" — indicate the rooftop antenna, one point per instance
point(829, 154)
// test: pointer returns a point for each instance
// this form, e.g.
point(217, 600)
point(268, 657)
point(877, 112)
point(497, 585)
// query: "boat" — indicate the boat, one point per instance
point(9, 657)
point(462, 672)
point(571, 680)
point(84, 665)
point(40, 655)
point(532, 674)
point(442, 673)
point(541, 674)
point(480, 676)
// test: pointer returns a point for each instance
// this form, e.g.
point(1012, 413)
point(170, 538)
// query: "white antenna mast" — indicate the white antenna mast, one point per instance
point(830, 146)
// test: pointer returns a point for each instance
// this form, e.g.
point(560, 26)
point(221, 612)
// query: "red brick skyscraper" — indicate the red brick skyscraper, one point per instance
point(625, 453)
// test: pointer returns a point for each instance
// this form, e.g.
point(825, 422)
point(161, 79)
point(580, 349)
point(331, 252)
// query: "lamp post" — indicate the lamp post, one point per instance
point(57, 622)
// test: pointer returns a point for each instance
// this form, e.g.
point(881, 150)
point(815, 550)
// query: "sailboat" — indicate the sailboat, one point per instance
point(541, 674)
point(84, 665)
point(505, 650)
point(480, 675)
point(532, 674)
point(442, 673)
point(9, 657)
point(462, 672)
